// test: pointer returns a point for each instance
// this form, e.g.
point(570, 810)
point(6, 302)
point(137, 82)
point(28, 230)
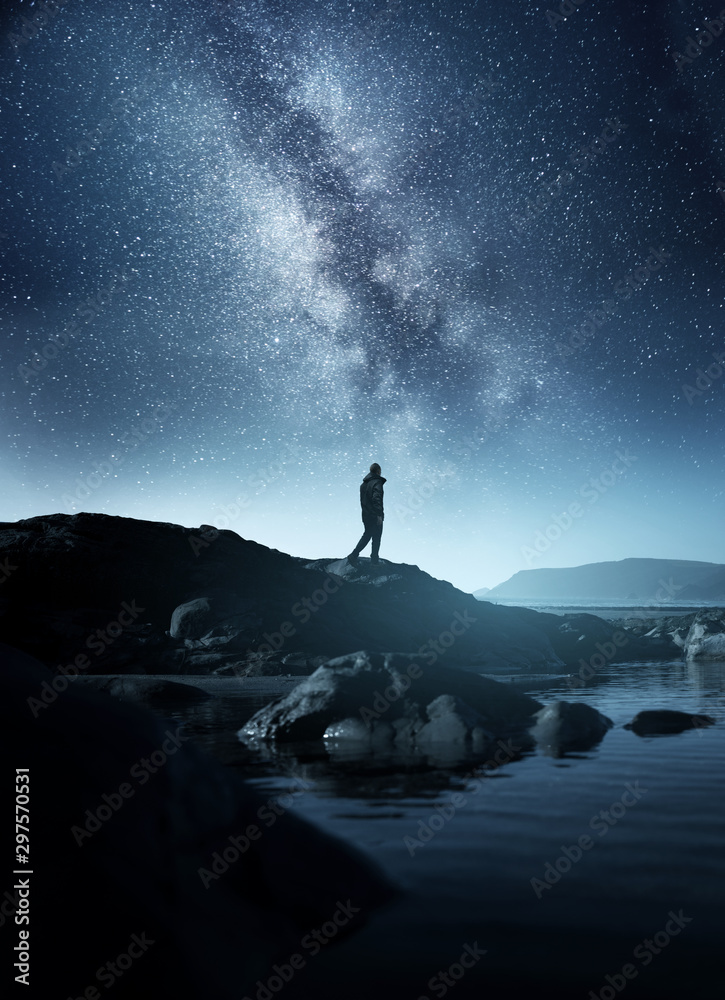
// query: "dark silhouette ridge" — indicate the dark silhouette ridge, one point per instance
point(111, 589)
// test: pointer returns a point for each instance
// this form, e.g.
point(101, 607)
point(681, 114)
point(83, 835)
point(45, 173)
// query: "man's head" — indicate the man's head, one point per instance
point(375, 469)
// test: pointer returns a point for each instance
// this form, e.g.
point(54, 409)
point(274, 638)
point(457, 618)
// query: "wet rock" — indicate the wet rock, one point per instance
point(446, 720)
point(589, 638)
point(453, 721)
point(376, 733)
point(566, 726)
point(661, 638)
point(393, 687)
point(663, 721)
point(706, 637)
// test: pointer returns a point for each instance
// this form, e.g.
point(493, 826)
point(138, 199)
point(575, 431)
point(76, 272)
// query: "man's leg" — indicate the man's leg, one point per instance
point(366, 536)
point(376, 532)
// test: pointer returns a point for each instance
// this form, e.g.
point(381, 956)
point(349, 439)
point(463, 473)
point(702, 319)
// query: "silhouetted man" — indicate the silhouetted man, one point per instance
point(371, 501)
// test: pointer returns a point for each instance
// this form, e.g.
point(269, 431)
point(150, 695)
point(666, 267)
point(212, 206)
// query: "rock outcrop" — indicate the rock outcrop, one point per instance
point(389, 703)
point(102, 594)
point(390, 698)
point(565, 726)
point(706, 637)
point(669, 632)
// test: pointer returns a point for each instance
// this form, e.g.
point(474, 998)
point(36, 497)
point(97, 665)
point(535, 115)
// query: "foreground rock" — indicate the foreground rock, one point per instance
point(565, 726)
point(390, 698)
point(445, 721)
point(663, 721)
point(135, 832)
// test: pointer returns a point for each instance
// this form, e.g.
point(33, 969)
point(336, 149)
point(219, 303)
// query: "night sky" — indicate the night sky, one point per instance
point(250, 247)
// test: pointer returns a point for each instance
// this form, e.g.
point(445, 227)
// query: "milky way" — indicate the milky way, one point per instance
point(249, 248)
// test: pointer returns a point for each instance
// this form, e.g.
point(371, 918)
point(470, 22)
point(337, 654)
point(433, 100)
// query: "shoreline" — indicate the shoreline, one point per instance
point(605, 610)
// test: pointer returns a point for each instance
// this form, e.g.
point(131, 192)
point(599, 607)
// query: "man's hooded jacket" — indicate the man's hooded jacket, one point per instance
point(371, 496)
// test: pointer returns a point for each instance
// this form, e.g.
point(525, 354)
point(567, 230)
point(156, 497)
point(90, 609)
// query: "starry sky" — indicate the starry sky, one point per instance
point(249, 248)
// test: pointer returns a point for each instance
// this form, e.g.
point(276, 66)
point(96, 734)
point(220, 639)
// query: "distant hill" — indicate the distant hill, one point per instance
point(482, 592)
point(712, 588)
point(626, 579)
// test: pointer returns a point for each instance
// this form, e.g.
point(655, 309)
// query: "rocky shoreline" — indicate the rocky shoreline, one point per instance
point(114, 602)
point(96, 594)
point(103, 618)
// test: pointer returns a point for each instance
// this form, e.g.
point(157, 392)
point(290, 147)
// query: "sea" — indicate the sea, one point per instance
point(585, 875)
point(603, 608)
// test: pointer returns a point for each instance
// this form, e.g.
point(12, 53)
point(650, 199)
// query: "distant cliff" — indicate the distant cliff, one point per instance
point(646, 580)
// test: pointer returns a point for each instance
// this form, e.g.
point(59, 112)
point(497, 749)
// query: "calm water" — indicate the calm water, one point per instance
point(660, 850)
point(607, 609)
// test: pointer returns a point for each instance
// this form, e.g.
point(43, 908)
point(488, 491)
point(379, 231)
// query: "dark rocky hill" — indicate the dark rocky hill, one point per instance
point(114, 594)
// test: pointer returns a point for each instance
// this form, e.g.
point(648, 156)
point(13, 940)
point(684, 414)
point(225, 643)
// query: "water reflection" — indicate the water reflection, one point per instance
point(706, 676)
point(343, 769)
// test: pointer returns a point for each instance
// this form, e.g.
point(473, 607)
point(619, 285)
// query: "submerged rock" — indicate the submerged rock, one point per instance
point(391, 696)
point(563, 726)
point(663, 721)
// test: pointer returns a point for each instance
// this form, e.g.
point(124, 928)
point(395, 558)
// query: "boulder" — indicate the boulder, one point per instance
point(453, 721)
point(706, 637)
point(580, 632)
point(587, 638)
point(192, 619)
point(564, 726)
point(663, 721)
point(663, 636)
point(369, 687)
point(215, 620)
point(446, 720)
point(673, 630)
